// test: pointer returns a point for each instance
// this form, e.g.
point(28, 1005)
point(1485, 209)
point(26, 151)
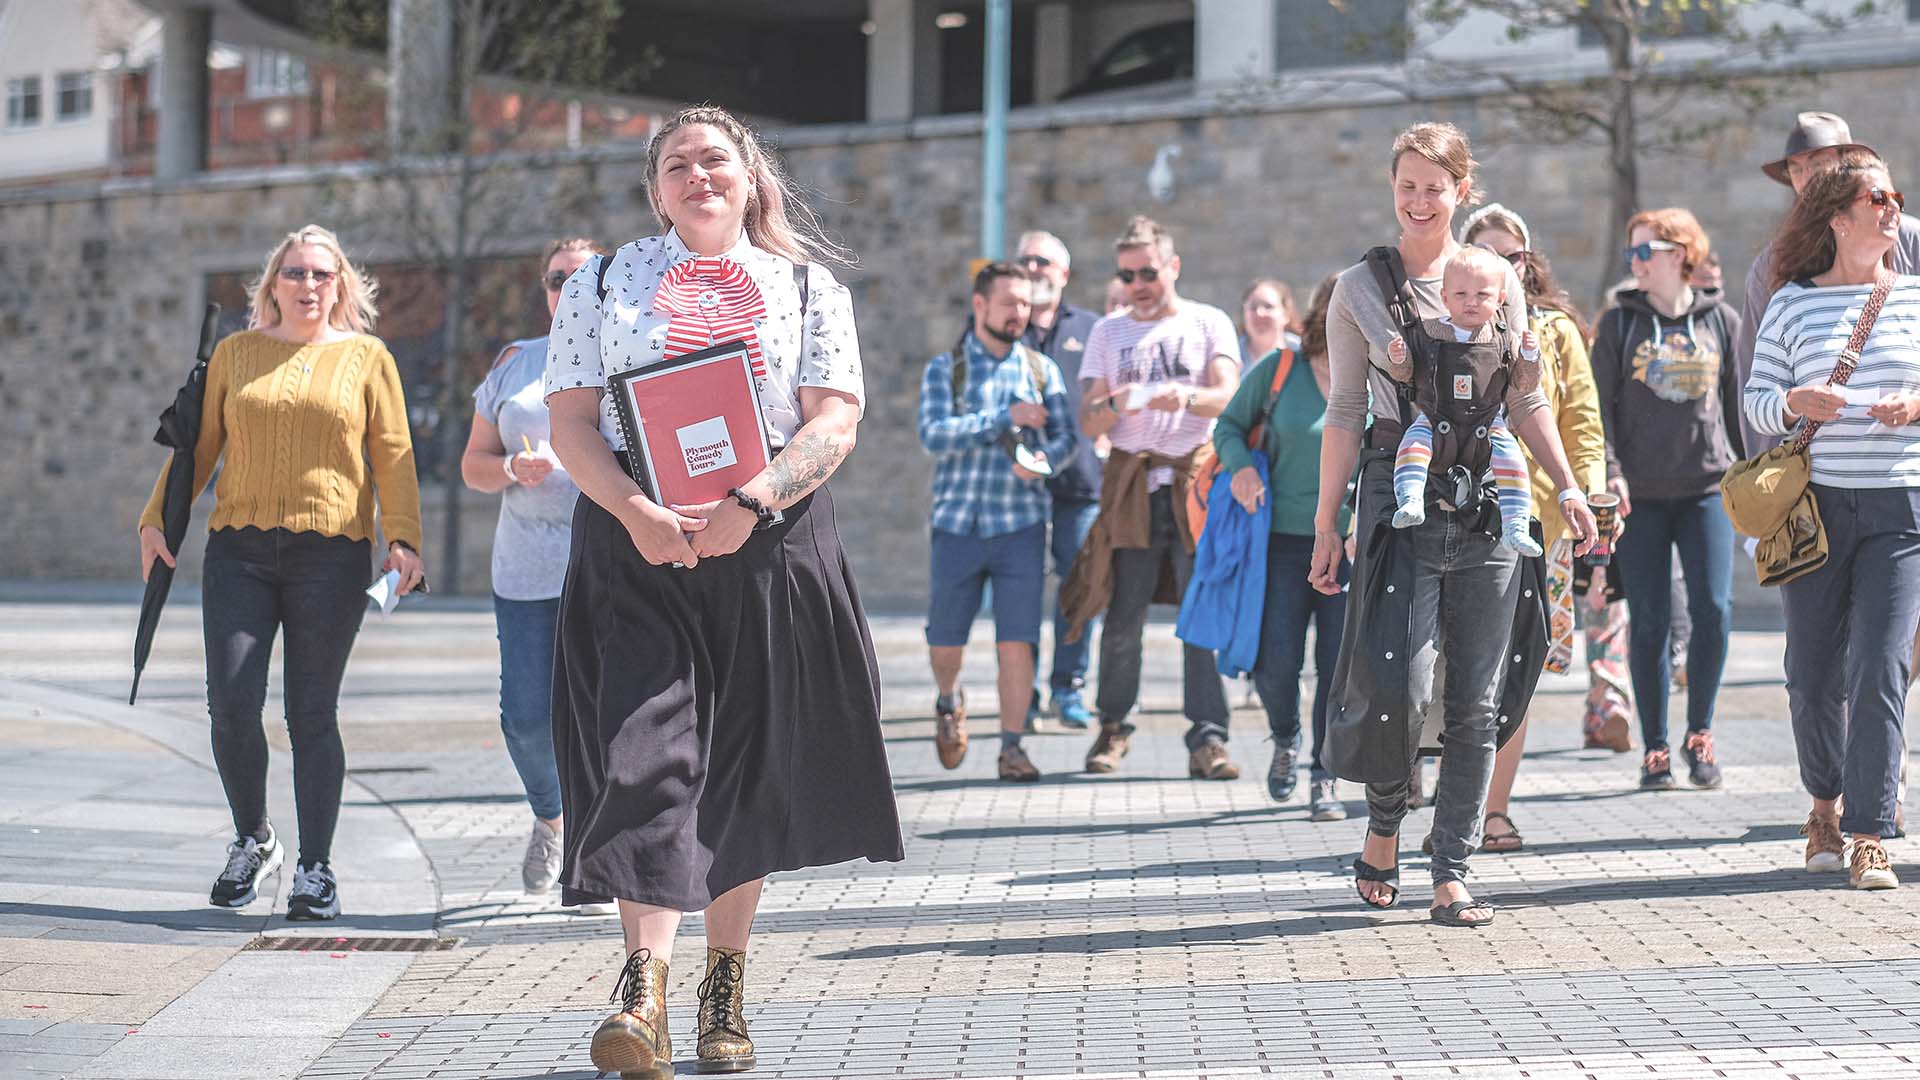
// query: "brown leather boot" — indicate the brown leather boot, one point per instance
point(724, 1044)
point(950, 730)
point(1108, 748)
point(634, 1042)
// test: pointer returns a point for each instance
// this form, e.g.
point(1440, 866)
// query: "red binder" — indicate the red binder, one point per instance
point(692, 424)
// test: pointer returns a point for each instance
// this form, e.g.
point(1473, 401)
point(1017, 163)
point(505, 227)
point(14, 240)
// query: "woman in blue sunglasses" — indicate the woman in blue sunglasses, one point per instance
point(1670, 399)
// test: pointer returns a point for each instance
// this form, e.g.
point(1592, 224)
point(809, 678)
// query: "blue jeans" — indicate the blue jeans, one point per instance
point(1071, 520)
point(526, 631)
point(1698, 527)
point(1291, 604)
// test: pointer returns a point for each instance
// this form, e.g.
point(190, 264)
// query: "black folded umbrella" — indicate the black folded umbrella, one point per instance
point(179, 430)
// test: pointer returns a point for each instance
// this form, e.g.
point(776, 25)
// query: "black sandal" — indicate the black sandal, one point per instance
point(1365, 871)
point(1450, 914)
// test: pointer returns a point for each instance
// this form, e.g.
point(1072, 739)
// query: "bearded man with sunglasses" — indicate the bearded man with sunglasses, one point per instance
point(1156, 375)
point(1813, 147)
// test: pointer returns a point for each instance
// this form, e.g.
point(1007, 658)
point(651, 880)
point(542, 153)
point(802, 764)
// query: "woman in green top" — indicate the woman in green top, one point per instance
point(1293, 418)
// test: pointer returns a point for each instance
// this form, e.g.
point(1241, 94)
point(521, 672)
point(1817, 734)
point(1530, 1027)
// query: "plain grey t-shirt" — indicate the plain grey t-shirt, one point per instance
point(1359, 329)
point(535, 530)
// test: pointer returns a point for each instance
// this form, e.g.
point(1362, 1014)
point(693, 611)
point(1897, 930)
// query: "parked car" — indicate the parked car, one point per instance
point(1153, 54)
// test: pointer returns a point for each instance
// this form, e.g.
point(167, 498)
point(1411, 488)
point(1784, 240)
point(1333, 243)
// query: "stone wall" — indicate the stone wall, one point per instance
point(100, 287)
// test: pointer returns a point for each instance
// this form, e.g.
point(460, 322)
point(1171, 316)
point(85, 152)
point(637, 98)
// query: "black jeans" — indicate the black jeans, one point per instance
point(255, 582)
point(1136, 572)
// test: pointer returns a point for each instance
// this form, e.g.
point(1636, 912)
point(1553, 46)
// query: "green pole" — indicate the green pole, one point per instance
point(993, 166)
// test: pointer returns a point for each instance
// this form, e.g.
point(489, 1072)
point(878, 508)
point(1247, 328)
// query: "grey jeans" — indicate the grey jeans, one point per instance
point(1465, 586)
point(1136, 572)
point(1860, 606)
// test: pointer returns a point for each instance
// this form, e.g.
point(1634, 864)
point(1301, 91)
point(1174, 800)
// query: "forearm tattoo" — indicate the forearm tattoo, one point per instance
point(805, 464)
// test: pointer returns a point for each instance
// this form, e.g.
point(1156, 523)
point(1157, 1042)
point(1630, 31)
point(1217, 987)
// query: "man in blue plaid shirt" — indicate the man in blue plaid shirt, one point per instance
point(981, 404)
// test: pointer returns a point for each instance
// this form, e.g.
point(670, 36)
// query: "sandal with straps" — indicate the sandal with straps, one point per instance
point(1452, 914)
point(1365, 871)
point(1503, 841)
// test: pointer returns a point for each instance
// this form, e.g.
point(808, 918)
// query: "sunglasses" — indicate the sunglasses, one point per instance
point(1146, 273)
point(299, 275)
point(1034, 262)
point(554, 279)
point(1644, 252)
point(1880, 197)
point(1517, 258)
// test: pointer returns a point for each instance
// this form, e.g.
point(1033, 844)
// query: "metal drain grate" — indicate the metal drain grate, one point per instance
point(300, 943)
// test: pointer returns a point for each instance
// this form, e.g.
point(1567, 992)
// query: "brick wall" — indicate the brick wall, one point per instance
point(100, 287)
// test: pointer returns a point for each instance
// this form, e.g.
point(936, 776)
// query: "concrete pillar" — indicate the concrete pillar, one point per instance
point(1233, 40)
point(185, 38)
point(929, 66)
point(421, 80)
point(890, 60)
point(1052, 50)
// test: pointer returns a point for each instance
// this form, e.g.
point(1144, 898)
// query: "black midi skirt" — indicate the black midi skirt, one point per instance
point(718, 724)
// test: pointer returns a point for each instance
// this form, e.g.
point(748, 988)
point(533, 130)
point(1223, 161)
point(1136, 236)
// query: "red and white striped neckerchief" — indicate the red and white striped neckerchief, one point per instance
point(711, 300)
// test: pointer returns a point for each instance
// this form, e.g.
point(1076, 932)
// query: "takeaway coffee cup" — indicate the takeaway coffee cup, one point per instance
point(1606, 511)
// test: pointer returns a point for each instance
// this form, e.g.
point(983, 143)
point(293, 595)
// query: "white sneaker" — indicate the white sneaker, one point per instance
point(540, 867)
point(600, 907)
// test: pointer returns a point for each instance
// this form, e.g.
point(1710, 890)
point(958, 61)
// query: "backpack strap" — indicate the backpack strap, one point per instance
point(1390, 273)
point(958, 367)
point(600, 278)
point(800, 283)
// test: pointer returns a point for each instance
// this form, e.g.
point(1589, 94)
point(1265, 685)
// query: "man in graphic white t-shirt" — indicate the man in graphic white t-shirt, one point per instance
point(1156, 375)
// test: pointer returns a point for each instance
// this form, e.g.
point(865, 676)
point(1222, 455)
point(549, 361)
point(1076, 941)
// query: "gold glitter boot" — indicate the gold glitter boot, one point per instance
point(634, 1042)
point(724, 1045)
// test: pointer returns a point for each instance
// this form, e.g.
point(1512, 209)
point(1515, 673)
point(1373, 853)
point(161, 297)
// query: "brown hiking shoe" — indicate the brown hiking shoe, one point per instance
point(1826, 849)
point(724, 1044)
point(950, 730)
point(1871, 868)
point(1016, 766)
point(1108, 748)
point(634, 1042)
point(1211, 762)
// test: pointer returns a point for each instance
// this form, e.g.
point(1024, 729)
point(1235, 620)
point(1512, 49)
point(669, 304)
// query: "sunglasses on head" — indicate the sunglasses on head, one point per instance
point(1644, 252)
point(1146, 273)
point(554, 279)
point(299, 275)
point(1880, 197)
point(1034, 262)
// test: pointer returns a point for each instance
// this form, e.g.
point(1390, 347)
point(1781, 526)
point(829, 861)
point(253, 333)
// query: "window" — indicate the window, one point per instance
point(1318, 33)
point(23, 101)
point(272, 73)
point(74, 91)
point(1669, 19)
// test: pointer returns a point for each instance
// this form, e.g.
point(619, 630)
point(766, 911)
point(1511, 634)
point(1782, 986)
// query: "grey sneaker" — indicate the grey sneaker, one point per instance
point(1283, 772)
point(1325, 804)
point(540, 867)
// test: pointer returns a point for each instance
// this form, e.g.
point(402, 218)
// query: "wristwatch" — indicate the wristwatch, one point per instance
point(1192, 396)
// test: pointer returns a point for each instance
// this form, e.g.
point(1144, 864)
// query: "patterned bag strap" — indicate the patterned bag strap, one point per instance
point(1850, 356)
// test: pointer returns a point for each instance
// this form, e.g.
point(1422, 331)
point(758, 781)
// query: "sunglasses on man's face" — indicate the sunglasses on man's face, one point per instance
point(299, 275)
point(1644, 252)
point(1034, 262)
point(554, 279)
point(1880, 197)
point(1146, 273)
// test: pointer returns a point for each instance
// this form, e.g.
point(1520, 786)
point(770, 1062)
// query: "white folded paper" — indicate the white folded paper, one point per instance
point(1137, 395)
point(386, 591)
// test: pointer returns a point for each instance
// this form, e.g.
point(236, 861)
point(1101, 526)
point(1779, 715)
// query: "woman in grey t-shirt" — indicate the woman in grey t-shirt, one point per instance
point(508, 452)
point(1399, 622)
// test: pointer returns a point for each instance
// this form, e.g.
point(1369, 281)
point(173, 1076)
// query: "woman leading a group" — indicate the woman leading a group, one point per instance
point(716, 708)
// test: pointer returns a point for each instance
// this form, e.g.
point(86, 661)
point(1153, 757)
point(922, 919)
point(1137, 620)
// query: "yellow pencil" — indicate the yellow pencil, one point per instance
point(525, 443)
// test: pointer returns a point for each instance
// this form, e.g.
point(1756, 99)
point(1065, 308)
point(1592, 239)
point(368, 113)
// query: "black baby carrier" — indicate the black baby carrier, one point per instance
point(1372, 734)
point(1459, 404)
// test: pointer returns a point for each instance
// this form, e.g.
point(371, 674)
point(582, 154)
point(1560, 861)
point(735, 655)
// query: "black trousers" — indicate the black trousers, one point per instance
point(255, 582)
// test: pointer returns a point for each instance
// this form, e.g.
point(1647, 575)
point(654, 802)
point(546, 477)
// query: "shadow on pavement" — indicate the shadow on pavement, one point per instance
point(1102, 828)
point(1332, 864)
point(1116, 940)
point(209, 919)
point(1788, 879)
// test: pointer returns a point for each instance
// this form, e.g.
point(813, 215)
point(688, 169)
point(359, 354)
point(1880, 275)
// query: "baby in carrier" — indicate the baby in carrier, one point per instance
point(1474, 289)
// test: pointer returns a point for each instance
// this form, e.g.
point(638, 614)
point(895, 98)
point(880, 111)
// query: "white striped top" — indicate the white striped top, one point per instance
point(1800, 339)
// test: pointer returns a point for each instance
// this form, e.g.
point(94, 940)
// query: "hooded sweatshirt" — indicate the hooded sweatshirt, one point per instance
point(1669, 394)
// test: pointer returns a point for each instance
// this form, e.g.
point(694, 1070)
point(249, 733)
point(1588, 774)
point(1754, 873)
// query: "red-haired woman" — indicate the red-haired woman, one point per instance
point(1670, 399)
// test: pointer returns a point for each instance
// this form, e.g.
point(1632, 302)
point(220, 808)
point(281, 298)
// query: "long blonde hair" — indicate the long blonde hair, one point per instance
point(777, 219)
point(354, 296)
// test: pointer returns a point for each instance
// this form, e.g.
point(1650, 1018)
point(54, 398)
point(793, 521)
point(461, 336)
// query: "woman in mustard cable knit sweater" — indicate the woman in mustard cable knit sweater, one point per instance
point(304, 412)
